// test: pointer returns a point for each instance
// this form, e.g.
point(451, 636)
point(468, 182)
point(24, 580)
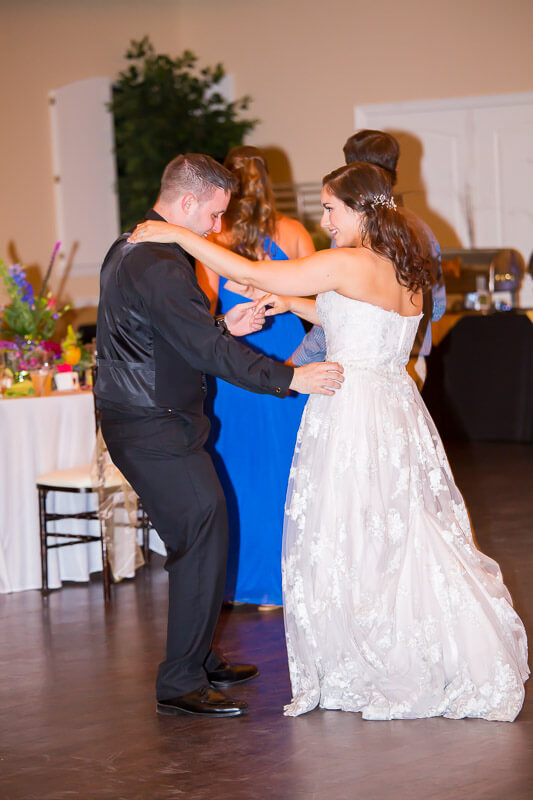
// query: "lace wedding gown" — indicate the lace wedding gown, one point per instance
point(390, 609)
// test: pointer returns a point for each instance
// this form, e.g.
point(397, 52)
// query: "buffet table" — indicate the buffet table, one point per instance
point(480, 376)
point(40, 434)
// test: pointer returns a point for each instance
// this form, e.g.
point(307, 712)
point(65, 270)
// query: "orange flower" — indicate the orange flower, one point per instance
point(72, 354)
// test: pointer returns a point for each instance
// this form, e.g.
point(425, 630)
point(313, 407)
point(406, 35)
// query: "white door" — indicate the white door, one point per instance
point(503, 176)
point(85, 174)
point(466, 166)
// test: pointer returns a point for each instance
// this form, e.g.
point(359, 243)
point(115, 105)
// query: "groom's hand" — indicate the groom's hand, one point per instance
point(323, 378)
point(245, 318)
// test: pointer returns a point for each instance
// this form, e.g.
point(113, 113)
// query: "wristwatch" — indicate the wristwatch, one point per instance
point(220, 322)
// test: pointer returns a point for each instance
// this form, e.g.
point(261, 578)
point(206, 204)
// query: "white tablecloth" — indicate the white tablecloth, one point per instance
point(39, 434)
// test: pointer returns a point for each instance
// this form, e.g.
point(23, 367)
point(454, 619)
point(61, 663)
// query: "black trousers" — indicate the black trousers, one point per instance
point(181, 492)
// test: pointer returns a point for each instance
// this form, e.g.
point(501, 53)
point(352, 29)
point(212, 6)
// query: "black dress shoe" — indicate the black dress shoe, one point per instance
point(229, 674)
point(205, 701)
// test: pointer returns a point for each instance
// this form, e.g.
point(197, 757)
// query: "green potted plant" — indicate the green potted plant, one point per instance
point(162, 107)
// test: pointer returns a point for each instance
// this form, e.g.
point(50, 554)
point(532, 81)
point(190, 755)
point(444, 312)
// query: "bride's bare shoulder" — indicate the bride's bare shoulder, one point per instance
point(354, 256)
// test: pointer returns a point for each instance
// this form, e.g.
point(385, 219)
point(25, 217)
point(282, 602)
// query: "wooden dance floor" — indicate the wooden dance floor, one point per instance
point(77, 713)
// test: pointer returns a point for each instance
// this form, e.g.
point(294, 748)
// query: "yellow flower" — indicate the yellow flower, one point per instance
point(71, 354)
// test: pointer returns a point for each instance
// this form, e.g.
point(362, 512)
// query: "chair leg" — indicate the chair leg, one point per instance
point(146, 536)
point(106, 570)
point(44, 541)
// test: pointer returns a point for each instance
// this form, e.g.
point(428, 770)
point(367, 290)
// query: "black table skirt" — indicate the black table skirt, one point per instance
point(480, 379)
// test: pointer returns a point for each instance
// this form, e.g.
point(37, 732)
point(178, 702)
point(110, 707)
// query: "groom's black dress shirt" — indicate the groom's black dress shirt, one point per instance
point(156, 338)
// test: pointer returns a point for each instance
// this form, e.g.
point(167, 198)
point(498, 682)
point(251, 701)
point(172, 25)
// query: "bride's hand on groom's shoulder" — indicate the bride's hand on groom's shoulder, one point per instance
point(154, 231)
point(318, 378)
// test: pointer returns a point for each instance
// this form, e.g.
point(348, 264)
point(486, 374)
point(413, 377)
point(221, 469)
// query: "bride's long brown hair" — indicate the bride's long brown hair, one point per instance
point(251, 213)
point(367, 189)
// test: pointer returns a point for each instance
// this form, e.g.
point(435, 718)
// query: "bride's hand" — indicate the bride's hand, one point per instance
point(154, 231)
point(277, 304)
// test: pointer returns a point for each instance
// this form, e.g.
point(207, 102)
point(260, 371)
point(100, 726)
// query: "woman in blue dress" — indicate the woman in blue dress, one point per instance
point(253, 436)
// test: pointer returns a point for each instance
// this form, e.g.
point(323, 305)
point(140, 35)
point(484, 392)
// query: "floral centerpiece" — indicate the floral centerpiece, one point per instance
point(27, 322)
point(28, 355)
point(75, 356)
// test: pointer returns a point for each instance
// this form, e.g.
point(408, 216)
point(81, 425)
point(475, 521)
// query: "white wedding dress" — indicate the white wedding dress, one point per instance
point(390, 609)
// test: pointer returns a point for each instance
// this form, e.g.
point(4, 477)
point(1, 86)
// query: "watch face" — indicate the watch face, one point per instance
point(220, 322)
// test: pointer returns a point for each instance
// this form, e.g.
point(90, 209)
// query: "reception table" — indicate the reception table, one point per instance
point(39, 434)
point(480, 376)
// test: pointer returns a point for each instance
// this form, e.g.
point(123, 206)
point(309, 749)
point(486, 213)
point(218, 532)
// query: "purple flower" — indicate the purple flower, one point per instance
point(19, 278)
point(28, 313)
point(16, 271)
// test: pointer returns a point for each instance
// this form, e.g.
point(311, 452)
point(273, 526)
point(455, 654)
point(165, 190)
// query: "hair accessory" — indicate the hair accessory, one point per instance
point(383, 200)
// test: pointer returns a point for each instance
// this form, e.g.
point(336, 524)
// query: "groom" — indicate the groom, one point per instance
point(155, 340)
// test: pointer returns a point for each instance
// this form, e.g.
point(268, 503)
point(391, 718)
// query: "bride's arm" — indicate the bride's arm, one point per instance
point(319, 272)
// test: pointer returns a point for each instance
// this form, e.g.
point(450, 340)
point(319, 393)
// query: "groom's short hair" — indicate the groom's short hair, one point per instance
point(374, 147)
point(196, 173)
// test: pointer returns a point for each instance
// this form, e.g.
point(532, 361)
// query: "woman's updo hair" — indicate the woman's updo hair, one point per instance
point(251, 213)
point(367, 189)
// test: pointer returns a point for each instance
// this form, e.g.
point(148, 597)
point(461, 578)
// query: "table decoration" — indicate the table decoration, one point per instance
point(29, 316)
point(23, 356)
point(66, 380)
point(76, 357)
point(28, 321)
point(2, 370)
point(23, 388)
point(41, 380)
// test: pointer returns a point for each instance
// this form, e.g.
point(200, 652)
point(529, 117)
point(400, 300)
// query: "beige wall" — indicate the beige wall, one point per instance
point(44, 45)
point(306, 63)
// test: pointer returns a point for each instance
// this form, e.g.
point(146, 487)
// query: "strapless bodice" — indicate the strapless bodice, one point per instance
point(364, 334)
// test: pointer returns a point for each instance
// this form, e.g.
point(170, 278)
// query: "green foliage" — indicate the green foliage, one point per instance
point(27, 315)
point(163, 107)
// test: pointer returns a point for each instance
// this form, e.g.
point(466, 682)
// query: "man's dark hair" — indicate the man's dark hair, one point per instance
point(196, 173)
point(373, 147)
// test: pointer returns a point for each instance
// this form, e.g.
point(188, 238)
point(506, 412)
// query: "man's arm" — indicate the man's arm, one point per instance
point(181, 316)
point(312, 348)
point(438, 290)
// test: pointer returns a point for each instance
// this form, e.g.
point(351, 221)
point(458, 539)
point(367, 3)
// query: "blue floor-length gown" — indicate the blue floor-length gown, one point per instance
point(252, 443)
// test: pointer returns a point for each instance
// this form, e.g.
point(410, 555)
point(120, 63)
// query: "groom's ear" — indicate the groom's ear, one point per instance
point(188, 203)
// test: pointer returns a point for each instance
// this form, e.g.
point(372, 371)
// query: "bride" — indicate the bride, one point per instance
point(390, 609)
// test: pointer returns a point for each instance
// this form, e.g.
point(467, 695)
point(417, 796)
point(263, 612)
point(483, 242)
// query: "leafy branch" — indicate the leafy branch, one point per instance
point(162, 107)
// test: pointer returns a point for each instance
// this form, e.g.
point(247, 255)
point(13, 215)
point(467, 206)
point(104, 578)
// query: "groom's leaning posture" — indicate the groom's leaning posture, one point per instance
point(155, 339)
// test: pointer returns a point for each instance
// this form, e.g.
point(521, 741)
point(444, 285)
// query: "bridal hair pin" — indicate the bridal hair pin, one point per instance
point(383, 200)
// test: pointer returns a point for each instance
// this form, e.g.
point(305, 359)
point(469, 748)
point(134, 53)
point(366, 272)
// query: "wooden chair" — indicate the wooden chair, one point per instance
point(76, 480)
point(81, 480)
